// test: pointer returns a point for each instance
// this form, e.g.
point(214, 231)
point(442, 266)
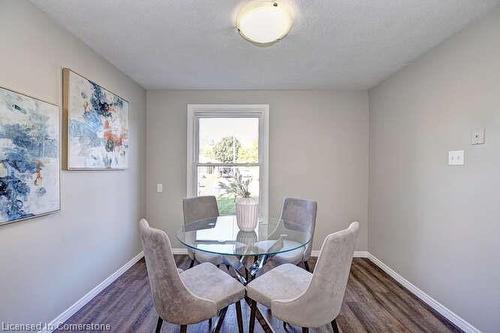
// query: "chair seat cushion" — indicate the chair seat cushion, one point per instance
point(283, 282)
point(290, 257)
point(209, 282)
point(275, 246)
point(202, 257)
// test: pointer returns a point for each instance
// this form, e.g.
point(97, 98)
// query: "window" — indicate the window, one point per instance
point(227, 145)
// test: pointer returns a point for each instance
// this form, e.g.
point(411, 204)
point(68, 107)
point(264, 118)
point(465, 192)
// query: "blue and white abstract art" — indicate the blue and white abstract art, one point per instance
point(97, 125)
point(29, 157)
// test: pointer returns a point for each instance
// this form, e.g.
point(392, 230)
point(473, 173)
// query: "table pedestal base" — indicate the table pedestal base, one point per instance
point(250, 274)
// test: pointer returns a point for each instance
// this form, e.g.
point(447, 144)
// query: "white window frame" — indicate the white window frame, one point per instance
point(196, 111)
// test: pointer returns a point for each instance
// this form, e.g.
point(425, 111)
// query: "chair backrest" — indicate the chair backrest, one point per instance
point(321, 302)
point(171, 298)
point(199, 208)
point(300, 214)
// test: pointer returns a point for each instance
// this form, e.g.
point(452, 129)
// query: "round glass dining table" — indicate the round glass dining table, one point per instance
point(222, 236)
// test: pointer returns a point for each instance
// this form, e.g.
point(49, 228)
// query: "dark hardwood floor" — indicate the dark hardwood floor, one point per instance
point(374, 302)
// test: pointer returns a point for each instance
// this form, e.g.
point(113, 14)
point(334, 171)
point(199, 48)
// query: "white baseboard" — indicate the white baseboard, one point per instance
point(88, 296)
point(179, 251)
point(357, 254)
point(447, 313)
point(444, 311)
point(361, 254)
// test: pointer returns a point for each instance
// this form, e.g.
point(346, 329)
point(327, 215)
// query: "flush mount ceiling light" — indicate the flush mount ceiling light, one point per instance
point(264, 22)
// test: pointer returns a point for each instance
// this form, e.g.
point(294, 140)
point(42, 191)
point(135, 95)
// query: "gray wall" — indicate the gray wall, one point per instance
point(434, 224)
point(48, 263)
point(318, 150)
point(438, 225)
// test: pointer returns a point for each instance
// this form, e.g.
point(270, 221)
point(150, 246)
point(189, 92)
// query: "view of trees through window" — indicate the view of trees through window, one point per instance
point(228, 158)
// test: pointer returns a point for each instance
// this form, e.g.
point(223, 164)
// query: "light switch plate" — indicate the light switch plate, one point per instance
point(456, 157)
point(159, 188)
point(478, 136)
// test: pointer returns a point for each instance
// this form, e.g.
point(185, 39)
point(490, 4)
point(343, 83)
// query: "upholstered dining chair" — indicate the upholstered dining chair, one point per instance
point(298, 214)
point(200, 208)
point(190, 296)
point(306, 299)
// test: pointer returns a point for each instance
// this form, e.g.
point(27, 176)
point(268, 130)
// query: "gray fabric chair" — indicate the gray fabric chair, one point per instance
point(298, 214)
point(298, 297)
point(186, 297)
point(199, 208)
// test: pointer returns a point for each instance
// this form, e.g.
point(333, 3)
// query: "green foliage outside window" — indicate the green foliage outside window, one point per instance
point(227, 149)
point(230, 150)
point(227, 206)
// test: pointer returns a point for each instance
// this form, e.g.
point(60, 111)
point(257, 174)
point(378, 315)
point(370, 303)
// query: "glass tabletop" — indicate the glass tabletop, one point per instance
point(221, 235)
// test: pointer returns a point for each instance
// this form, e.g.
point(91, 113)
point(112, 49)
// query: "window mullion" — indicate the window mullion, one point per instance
point(227, 164)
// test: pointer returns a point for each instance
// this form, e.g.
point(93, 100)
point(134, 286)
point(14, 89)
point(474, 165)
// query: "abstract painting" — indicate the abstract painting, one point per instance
point(29, 157)
point(97, 125)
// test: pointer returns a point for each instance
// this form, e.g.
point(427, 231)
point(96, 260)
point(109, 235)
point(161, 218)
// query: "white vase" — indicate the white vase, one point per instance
point(246, 237)
point(247, 213)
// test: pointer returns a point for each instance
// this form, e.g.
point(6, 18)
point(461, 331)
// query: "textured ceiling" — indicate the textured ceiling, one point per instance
point(192, 44)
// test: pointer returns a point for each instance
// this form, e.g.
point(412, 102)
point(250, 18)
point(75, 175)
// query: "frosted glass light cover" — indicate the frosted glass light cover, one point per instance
point(264, 22)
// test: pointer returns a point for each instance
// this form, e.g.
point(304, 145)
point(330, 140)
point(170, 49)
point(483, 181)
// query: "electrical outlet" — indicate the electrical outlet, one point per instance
point(456, 157)
point(478, 137)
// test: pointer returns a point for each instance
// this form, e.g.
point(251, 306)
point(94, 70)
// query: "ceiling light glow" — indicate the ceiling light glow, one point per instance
point(264, 22)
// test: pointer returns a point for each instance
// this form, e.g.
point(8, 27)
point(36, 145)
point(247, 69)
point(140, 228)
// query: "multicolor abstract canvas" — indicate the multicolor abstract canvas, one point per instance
point(97, 125)
point(29, 157)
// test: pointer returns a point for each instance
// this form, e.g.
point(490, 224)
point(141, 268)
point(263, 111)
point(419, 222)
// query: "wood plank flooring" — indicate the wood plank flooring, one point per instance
point(374, 302)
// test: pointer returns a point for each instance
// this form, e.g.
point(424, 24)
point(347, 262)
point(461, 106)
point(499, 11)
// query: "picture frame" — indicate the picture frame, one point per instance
point(30, 157)
point(95, 125)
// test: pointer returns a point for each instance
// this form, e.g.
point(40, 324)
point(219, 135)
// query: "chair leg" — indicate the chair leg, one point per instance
point(335, 326)
point(192, 263)
point(184, 328)
point(210, 323)
point(158, 325)
point(239, 316)
point(305, 330)
point(221, 320)
point(306, 265)
point(253, 308)
point(227, 267)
